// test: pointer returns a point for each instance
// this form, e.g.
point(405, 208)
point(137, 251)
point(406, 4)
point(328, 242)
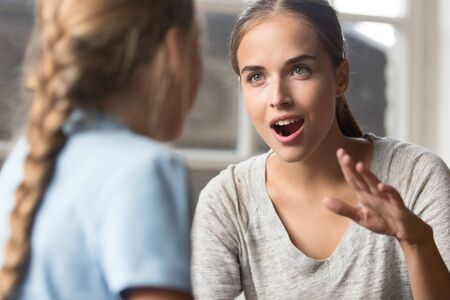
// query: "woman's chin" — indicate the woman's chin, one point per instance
point(290, 154)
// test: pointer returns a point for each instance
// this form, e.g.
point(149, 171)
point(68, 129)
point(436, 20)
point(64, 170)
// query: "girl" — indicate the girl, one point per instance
point(297, 223)
point(101, 208)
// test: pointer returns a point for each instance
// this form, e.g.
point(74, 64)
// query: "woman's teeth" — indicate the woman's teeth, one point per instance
point(287, 127)
point(286, 122)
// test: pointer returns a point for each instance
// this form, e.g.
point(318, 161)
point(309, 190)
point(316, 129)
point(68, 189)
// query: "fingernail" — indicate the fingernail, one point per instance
point(360, 166)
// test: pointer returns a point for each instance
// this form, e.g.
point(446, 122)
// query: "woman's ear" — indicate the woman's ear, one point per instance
point(173, 44)
point(342, 77)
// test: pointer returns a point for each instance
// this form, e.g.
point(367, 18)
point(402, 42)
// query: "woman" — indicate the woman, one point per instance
point(329, 212)
point(101, 208)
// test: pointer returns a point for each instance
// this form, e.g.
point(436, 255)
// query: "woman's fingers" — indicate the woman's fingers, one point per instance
point(370, 179)
point(387, 189)
point(392, 194)
point(348, 169)
point(371, 192)
point(381, 205)
point(341, 208)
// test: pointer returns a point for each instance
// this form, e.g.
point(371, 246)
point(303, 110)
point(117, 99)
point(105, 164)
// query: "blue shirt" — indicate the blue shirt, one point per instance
point(115, 215)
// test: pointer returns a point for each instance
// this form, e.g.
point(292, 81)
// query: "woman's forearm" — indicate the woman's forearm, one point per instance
point(429, 276)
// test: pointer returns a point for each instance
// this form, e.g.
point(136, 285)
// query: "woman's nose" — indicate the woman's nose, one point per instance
point(280, 95)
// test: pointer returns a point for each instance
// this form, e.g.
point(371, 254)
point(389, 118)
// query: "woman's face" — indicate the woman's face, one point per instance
point(289, 86)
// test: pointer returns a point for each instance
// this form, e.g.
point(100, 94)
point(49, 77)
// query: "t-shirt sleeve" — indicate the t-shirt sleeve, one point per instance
point(215, 243)
point(430, 198)
point(144, 237)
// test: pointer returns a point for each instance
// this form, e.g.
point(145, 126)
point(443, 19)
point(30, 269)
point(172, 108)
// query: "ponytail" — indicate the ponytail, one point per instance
point(345, 118)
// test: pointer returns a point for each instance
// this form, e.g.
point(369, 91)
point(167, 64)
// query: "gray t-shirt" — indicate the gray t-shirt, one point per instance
point(240, 244)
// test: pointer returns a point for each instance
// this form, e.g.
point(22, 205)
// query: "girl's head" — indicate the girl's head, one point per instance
point(314, 21)
point(136, 60)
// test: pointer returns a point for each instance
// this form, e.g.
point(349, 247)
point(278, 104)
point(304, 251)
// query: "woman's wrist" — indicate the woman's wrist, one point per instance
point(419, 235)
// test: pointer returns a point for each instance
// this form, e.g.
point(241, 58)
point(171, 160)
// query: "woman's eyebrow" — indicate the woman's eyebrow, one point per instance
point(290, 61)
point(251, 69)
point(300, 58)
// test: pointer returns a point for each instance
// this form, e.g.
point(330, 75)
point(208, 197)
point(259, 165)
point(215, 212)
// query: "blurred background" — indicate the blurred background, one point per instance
point(399, 56)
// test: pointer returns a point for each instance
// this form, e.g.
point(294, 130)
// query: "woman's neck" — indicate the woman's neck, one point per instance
point(321, 168)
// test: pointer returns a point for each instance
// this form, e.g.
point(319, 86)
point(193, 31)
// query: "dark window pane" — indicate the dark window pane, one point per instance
point(15, 24)
point(213, 121)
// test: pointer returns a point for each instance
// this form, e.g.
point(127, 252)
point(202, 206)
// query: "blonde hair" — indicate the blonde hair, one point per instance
point(323, 19)
point(81, 52)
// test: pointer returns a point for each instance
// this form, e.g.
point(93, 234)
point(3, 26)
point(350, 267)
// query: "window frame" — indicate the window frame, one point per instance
point(400, 122)
point(417, 98)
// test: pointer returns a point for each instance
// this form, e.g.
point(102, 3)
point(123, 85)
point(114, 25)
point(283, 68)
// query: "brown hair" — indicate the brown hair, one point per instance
point(81, 53)
point(324, 21)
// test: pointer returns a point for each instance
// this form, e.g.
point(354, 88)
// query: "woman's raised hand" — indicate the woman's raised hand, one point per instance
point(380, 207)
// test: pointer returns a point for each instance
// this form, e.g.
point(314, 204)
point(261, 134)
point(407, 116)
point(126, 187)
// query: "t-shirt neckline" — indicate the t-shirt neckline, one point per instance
point(352, 240)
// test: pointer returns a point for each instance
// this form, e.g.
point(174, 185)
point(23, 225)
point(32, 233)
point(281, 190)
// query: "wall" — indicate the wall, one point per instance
point(443, 82)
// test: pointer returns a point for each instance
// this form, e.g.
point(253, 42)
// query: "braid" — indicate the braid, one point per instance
point(49, 110)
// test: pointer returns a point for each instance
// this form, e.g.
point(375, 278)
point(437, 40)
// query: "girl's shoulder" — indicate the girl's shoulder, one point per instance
point(99, 138)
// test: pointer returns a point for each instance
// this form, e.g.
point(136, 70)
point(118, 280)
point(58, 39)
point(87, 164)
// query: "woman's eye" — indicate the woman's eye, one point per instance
point(255, 78)
point(300, 70)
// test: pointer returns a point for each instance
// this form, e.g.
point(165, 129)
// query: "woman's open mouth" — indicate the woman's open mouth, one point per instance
point(287, 130)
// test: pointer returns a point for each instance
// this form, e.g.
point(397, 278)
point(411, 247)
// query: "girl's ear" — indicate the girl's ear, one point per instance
point(342, 77)
point(173, 43)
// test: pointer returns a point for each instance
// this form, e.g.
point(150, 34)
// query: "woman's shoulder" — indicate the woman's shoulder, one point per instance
point(394, 155)
point(236, 191)
point(415, 171)
point(238, 177)
point(229, 201)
